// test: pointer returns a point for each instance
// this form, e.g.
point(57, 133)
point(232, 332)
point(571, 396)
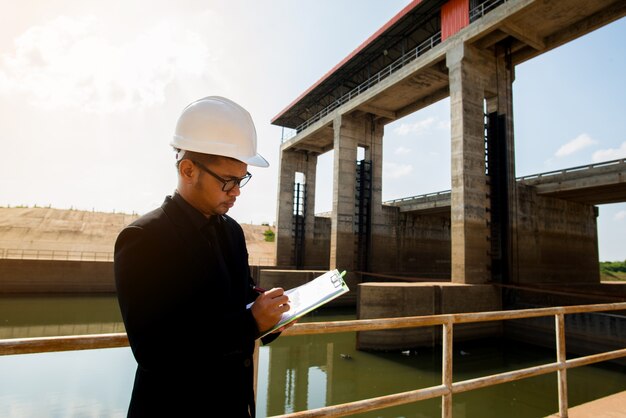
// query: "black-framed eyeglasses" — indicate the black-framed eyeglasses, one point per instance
point(227, 185)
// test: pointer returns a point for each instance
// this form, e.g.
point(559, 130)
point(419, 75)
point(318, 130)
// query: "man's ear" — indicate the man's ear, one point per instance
point(186, 170)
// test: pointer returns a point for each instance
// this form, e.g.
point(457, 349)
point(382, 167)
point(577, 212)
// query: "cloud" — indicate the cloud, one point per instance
point(418, 127)
point(580, 142)
point(610, 154)
point(402, 151)
point(620, 216)
point(396, 171)
point(69, 62)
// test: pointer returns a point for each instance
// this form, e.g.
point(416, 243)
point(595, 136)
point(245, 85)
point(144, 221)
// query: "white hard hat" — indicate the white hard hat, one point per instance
point(218, 126)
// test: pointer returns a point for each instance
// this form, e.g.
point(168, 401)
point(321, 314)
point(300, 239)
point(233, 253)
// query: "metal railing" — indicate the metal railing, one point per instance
point(572, 169)
point(262, 262)
point(484, 8)
point(65, 255)
point(445, 391)
point(434, 195)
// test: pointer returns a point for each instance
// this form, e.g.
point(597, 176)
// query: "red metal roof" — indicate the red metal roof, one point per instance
point(368, 41)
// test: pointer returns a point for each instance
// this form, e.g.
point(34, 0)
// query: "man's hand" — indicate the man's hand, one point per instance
point(269, 307)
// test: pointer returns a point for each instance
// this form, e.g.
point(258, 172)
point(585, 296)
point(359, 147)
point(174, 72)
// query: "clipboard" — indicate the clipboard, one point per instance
point(310, 296)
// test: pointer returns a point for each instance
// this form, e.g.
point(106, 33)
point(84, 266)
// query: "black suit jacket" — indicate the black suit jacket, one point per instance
point(183, 299)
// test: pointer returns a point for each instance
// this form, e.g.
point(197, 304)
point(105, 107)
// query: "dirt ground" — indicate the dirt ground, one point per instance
point(84, 231)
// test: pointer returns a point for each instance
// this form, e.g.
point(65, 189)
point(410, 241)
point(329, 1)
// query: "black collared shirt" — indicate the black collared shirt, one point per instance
point(212, 228)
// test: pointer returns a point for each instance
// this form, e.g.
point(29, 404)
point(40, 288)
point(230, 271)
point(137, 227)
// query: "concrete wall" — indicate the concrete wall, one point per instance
point(318, 249)
point(47, 276)
point(385, 240)
point(414, 244)
point(409, 243)
point(557, 240)
point(424, 245)
point(587, 333)
point(389, 300)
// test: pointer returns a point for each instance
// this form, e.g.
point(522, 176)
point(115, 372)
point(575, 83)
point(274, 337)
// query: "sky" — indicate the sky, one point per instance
point(90, 92)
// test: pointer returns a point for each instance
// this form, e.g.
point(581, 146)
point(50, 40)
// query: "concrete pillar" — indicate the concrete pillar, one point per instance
point(292, 162)
point(348, 131)
point(469, 71)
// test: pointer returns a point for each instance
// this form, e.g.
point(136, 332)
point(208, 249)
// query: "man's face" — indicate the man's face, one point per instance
point(207, 195)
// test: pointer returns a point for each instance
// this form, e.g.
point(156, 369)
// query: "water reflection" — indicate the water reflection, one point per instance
point(44, 316)
point(325, 370)
point(89, 383)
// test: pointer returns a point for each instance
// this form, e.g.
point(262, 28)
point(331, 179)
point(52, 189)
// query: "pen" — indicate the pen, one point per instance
point(258, 289)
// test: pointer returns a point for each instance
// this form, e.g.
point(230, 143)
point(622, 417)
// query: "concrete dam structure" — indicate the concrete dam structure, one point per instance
point(492, 231)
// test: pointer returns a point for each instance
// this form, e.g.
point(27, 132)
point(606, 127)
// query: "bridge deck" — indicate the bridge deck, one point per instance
point(594, 184)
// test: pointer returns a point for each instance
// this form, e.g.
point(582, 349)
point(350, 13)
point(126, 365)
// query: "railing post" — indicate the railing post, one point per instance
point(446, 370)
point(561, 359)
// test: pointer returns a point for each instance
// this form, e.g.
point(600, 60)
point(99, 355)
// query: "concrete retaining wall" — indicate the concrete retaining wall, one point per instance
point(390, 300)
point(47, 276)
point(586, 333)
point(557, 240)
point(424, 244)
point(384, 242)
point(54, 276)
point(316, 247)
point(317, 251)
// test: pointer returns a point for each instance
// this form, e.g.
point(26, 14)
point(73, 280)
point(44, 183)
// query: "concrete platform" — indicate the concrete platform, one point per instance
point(613, 406)
point(394, 300)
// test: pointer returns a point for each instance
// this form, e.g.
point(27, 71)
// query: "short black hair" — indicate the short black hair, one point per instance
point(207, 159)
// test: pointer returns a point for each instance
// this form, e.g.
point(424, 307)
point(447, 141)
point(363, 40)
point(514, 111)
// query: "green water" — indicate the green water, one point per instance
point(295, 373)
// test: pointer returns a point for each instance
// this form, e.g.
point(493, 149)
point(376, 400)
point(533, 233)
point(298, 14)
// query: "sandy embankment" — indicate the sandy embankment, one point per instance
point(59, 230)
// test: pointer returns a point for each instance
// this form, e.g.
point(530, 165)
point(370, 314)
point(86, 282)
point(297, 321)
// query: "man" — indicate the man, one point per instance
point(183, 279)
